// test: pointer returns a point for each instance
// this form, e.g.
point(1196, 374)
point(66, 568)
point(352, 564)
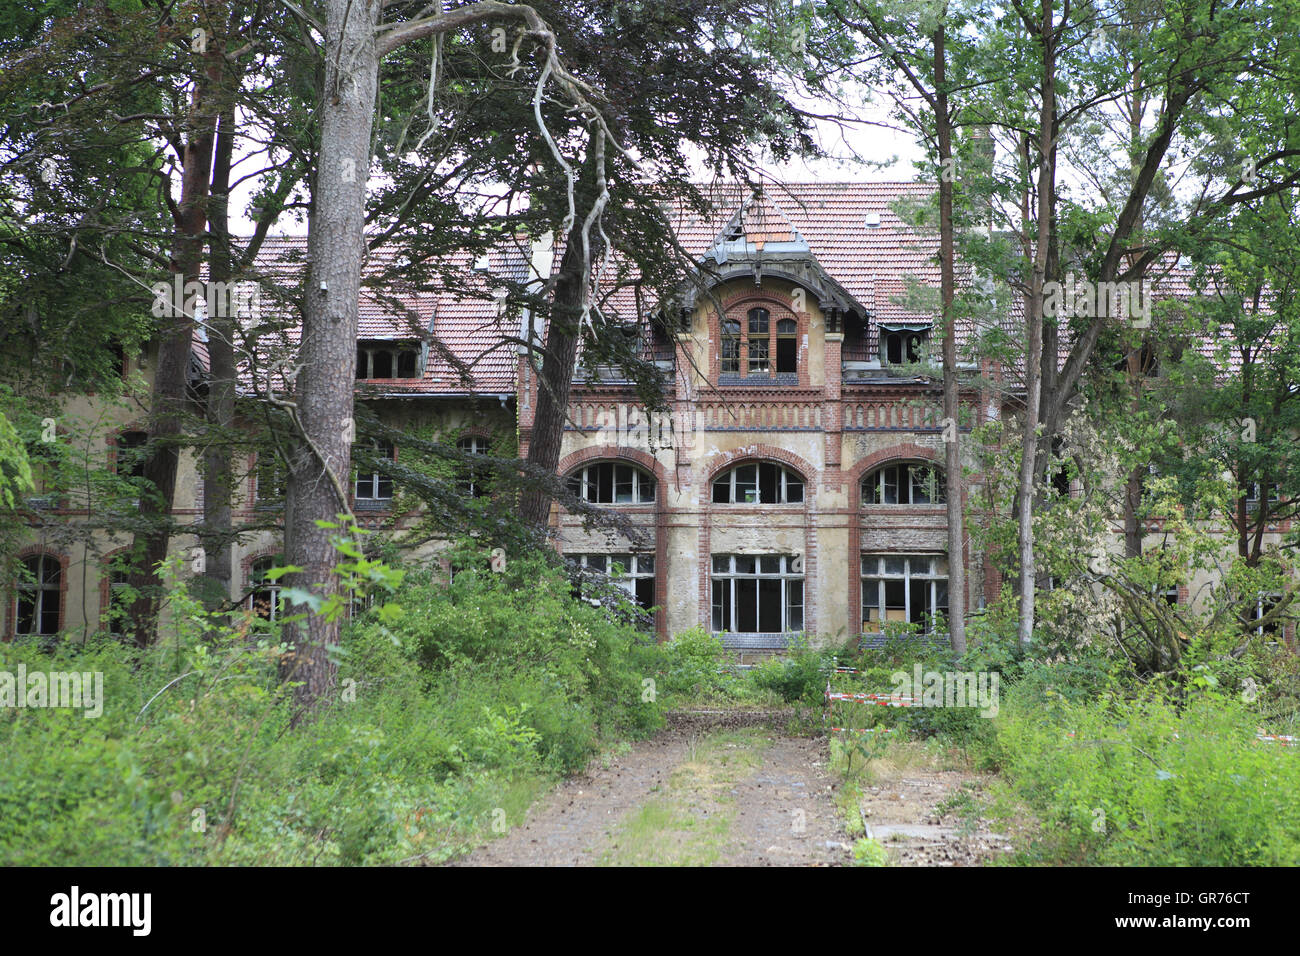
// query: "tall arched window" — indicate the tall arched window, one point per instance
point(764, 482)
point(37, 605)
point(613, 483)
point(757, 342)
point(904, 483)
point(729, 360)
point(787, 346)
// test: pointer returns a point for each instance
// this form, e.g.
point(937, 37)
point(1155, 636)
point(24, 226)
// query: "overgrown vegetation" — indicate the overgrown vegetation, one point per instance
point(448, 719)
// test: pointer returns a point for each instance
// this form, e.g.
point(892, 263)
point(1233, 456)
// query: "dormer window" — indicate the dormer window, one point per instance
point(387, 360)
point(900, 346)
point(758, 344)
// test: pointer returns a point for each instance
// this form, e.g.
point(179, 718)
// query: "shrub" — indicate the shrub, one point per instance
point(799, 676)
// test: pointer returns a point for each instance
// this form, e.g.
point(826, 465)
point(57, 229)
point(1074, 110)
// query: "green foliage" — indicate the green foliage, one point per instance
point(798, 676)
point(868, 852)
point(693, 666)
point(438, 731)
point(1139, 782)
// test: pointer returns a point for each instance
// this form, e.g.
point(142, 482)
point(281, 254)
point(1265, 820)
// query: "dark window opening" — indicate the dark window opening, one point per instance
point(264, 600)
point(131, 454)
point(387, 360)
point(907, 483)
point(38, 611)
point(610, 483)
point(761, 594)
point(787, 346)
point(762, 483)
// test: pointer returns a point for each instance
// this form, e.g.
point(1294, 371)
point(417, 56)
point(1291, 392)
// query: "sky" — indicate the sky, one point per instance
point(856, 153)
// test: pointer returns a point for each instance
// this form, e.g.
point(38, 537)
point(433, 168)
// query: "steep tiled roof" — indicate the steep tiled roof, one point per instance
point(467, 326)
point(853, 230)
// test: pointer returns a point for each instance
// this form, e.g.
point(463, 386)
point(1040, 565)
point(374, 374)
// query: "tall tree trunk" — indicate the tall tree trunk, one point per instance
point(218, 483)
point(556, 379)
point(951, 386)
point(171, 365)
point(320, 455)
point(556, 374)
point(1034, 325)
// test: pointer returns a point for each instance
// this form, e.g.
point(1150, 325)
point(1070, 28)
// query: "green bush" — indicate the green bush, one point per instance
point(799, 676)
point(692, 666)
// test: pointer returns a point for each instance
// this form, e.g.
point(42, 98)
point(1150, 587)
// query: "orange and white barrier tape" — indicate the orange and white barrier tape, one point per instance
point(883, 700)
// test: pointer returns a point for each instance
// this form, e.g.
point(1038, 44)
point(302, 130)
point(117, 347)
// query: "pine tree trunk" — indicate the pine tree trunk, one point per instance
point(556, 379)
point(320, 457)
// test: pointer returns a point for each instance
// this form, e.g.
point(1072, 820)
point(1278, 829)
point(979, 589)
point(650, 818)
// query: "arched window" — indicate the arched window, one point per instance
point(759, 363)
point(730, 355)
point(761, 483)
point(265, 597)
point(904, 483)
point(787, 346)
point(470, 484)
point(37, 602)
point(613, 483)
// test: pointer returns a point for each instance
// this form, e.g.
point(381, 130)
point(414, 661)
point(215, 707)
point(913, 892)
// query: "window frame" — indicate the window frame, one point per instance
point(467, 483)
point(639, 568)
point(758, 342)
point(376, 479)
point(258, 585)
point(907, 356)
point(876, 498)
point(883, 574)
point(786, 478)
point(396, 350)
point(268, 465)
point(725, 599)
point(41, 591)
point(644, 485)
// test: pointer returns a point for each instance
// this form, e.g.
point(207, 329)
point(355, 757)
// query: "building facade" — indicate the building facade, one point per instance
point(794, 484)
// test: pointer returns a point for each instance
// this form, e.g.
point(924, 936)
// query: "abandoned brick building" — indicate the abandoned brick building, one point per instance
point(793, 486)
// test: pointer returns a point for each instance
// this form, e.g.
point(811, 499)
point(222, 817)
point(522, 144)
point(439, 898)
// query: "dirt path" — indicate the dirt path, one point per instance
point(711, 790)
point(929, 817)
